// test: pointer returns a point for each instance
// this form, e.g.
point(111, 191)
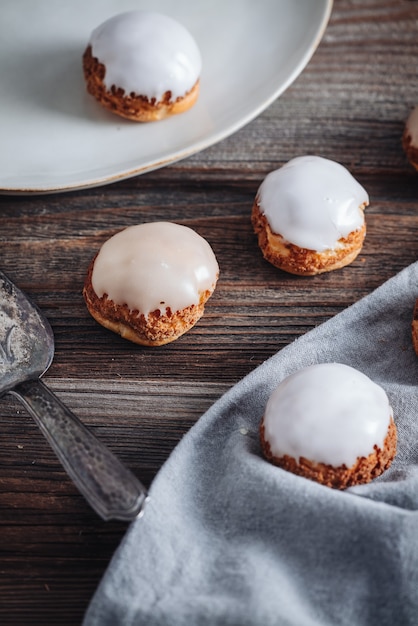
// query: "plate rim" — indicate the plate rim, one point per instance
point(195, 148)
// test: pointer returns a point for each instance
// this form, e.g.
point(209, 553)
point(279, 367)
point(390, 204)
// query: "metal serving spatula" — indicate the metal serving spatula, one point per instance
point(26, 352)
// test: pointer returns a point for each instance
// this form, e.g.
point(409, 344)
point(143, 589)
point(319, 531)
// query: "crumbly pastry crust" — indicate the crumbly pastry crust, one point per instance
point(415, 327)
point(132, 106)
point(411, 151)
point(155, 329)
point(363, 471)
point(301, 261)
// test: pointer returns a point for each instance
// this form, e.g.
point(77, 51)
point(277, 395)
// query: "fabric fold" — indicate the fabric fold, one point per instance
point(228, 539)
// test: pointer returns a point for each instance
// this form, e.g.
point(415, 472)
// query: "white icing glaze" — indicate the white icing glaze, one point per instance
point(412, 126)
point(154, 266)
point(312, 202)
point(147, 53)
point(328, 413)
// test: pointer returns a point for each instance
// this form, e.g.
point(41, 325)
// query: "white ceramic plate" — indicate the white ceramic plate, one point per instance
point(55, 137)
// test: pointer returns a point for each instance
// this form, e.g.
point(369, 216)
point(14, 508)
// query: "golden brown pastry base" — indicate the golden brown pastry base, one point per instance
point(410, 150)
point(363, 471)
point(301, 261)
point(132, 106)
point(415, 327)
point(155, 329)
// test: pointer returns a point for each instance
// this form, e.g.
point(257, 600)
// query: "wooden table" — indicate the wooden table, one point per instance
point(349, 105)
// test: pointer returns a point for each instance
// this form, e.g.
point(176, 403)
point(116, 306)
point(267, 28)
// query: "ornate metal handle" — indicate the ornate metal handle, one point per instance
point(109, 487)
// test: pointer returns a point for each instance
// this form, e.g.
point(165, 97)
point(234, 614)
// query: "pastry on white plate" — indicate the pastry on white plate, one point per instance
point(143, 66)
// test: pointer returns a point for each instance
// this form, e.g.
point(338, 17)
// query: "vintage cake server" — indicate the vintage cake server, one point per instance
point(26, 352)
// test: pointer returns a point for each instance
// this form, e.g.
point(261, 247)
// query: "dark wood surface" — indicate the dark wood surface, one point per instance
point(350, 105)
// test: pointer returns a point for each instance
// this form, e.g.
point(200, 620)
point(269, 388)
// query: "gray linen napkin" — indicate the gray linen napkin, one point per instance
point(228, 539)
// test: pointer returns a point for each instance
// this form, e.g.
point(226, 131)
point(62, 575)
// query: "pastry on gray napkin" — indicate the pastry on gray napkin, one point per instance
point(229, 539)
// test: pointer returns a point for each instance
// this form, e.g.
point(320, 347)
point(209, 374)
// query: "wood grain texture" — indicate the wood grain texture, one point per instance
point(350, 105)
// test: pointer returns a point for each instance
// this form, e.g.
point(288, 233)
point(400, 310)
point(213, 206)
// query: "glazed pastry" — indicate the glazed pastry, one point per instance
point(415, 327)
point(309, 216)
point(143, 66)
point(410, 138)
point(329, 423)
point(150, 282)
